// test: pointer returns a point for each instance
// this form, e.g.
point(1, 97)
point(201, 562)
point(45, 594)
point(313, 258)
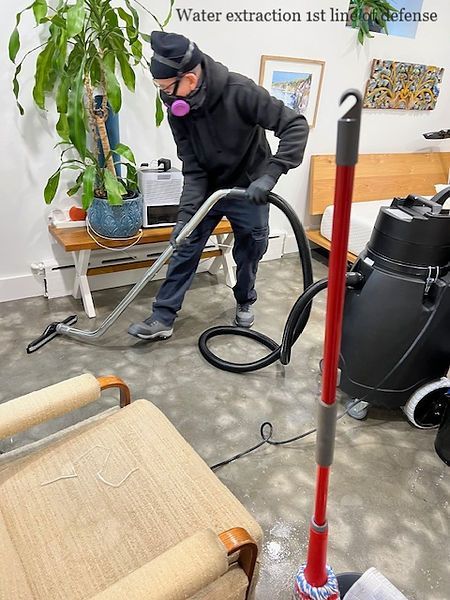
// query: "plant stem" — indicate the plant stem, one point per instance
point(101, 126)
point(150, 13)
point(99, 117)
point(31, 51)
point(91, 113)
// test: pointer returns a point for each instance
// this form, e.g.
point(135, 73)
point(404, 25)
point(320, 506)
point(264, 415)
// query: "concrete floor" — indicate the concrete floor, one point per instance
point(389, 504)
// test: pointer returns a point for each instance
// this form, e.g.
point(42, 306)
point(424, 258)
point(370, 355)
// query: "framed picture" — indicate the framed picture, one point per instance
point(401, 85)
point(295, 81)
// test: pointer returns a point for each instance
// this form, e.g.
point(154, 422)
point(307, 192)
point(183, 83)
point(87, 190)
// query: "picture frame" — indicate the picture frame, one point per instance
point(296, 81)
point(405, 86)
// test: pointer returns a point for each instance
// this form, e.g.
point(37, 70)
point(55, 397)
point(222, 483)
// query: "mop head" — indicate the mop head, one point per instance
point(304, 591)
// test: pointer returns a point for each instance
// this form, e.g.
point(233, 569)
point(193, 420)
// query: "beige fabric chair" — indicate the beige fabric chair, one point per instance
point(119, 508)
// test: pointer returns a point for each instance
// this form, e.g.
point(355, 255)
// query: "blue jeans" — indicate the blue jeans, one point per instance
point(250, 223)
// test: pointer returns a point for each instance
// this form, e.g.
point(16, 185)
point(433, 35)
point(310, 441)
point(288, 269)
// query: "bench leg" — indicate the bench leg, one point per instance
point(81, 283)
point(225, 243)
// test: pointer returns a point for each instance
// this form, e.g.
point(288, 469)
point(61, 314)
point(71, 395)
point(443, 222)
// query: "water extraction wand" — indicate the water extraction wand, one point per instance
point(66, 327)
point(297, 319)
point(316, 580)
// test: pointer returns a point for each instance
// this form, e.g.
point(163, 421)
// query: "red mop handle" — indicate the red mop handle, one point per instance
point(346, 159)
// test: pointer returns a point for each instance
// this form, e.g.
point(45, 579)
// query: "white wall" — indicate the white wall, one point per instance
point(27, 157)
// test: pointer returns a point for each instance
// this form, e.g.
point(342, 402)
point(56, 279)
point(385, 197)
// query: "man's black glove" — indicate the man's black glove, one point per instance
point(259, 189)
point(176, 232)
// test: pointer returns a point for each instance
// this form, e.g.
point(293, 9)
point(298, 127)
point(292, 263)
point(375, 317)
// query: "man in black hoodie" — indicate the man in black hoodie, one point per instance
point(218, 120)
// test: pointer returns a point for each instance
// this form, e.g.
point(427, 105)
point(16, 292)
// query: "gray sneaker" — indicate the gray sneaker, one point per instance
point(150, 329)
point(244, 315)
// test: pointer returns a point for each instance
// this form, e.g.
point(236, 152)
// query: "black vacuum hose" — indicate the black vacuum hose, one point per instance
point(297, 319)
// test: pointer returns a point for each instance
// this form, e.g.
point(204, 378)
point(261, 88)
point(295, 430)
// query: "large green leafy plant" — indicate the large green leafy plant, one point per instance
point(86, 45)
point(362, 12)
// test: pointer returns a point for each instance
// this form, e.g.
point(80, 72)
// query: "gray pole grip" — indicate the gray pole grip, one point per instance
point(327, 419)
point(348, 131)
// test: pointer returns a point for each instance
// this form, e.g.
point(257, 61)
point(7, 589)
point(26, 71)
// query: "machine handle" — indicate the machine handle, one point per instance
point(165, 163)
point(435, 207)
point(442, 196)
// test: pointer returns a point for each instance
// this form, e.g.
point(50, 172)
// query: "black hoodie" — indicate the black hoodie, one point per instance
point(223, 143)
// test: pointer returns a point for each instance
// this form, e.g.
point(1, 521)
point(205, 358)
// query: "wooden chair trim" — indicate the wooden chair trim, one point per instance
point(239, 540)
point(111, 381)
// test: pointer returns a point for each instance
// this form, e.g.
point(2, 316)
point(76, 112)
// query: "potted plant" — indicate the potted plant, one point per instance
point(370, 16)
point(87, 43)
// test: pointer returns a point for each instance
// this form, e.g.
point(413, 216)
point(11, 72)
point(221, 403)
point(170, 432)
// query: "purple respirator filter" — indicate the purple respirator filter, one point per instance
point(180, 108)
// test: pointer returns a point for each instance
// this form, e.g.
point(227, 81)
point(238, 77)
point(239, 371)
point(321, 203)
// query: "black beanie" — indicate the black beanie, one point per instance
point(172, 46)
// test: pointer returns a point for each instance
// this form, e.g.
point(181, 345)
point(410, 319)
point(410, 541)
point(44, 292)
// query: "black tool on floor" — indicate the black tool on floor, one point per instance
point(50, 332)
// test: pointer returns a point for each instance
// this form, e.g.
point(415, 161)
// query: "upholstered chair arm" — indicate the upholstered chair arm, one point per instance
point(26, 411)
point(187, 568)
point(177, 574)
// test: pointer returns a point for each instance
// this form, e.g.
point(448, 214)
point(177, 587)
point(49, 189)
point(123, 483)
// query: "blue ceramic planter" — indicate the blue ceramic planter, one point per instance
point(116, 221)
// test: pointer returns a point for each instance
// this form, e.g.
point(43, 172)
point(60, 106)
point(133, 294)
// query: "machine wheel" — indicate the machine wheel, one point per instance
point(358, 411)
point(425, 409)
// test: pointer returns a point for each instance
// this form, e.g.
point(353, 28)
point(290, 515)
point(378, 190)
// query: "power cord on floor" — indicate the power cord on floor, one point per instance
point(267, 438)
point(266, 432)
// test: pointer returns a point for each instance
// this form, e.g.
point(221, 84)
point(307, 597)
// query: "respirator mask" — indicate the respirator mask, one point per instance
point(180, 106)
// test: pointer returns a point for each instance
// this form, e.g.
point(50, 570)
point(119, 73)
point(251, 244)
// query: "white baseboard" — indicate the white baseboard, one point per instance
point(276, 245)
point(290, 244)
point(22, 286)
point(29, 286)
point(60, 281)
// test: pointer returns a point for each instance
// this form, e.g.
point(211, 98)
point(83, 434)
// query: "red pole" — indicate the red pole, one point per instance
point(336, 283)
point(315, 573)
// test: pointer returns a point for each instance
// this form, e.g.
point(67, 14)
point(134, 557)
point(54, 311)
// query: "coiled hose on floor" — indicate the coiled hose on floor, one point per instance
point(297, 319)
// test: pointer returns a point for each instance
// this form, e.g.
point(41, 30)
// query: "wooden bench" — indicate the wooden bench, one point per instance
point(377, 176)
point(78, 241)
